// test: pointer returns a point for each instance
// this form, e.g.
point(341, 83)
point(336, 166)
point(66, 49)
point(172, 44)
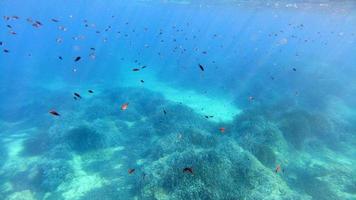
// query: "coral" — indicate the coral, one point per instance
point(296, 127)
point(261, 137)
point(50, 174)
point(178, 119)
point(225, 172)
point(96, 142)
point(84, 138)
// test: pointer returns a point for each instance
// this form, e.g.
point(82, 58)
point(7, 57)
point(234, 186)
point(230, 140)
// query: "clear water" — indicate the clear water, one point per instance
point(190, 100)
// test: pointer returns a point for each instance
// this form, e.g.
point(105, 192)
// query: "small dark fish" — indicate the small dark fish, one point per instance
point(201, 67)
point(188, 170)
point(135, 69)
point(60, 57)
point(38, 22)
point(142, 81)
point(36, 25)
point(55, 113)
point(29, 20)
point(9, 26)
point(130, 171)
point(90, 91)
point(1, 43)
point(75, 98)
point(206, 116)
point(294, 69)
point(143, 67)
point(54, 20)
point(164, 111)
point(77, 59)
point(77, 95)
point(204, 52)
point(6, 51)
point(92, 48)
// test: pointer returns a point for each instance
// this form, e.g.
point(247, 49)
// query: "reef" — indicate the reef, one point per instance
point(87, 152)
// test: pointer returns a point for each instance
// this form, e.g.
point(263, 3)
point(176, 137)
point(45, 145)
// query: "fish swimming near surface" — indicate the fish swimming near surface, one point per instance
point(77, 95)
point(77, 59)
point(55, 113)
point(135, 69)
point(39, 23)
point(131, 171)
point(124, 106)
point(36, 25)
point(90, 91)
point(188, 170)
point(6, 51)
point(201, 67)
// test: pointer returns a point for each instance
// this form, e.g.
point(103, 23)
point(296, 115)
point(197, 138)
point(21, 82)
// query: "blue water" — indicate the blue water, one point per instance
point(177, 100)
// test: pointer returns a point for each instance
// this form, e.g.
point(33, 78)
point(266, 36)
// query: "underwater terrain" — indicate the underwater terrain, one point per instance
point(177, 100)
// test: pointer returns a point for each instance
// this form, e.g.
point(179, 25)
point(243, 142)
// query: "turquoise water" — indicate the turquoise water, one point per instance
point(177, 100)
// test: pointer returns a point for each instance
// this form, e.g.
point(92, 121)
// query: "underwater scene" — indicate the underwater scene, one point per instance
point(178, 100)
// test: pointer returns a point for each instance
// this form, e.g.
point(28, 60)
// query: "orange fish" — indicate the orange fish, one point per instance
point(222, 129)
point(278, 168)
point(124, 106)
point(130, 171)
